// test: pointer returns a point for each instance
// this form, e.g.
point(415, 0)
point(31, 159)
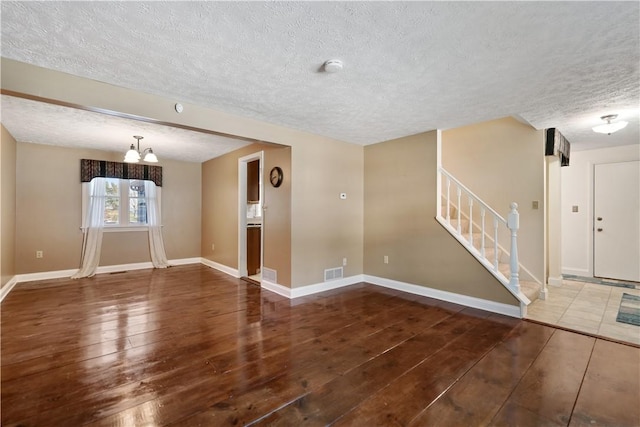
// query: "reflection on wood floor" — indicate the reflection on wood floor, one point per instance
point(192, 346)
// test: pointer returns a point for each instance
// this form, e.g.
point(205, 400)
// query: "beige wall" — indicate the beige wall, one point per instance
point(326, 229)
point(277, 216)
point(220, 206)
point(399, 210)
point(321, 167)
point(7, 206)
point(49, 211)
point(577, 190)
point(307, 227)
point(502, 161)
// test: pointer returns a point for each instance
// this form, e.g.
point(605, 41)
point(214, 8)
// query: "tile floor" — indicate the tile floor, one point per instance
point(586, 307)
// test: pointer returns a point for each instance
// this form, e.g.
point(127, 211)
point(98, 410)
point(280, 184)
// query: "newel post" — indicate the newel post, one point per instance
point(513, 223)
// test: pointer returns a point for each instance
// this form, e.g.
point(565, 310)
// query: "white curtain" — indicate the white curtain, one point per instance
point(93, 224)
point(156, 244)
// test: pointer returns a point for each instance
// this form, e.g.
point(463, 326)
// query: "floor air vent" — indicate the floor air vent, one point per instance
point(270, 275)
point(332, 274)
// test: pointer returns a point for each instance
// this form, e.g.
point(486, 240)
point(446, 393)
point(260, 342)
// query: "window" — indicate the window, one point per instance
point(125, 203)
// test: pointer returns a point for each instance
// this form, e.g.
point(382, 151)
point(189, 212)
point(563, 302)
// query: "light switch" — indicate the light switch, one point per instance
point(574, 208)
point(534, 204)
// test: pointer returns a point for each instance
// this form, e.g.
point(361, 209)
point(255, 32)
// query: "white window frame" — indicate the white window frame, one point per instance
point(124, 208)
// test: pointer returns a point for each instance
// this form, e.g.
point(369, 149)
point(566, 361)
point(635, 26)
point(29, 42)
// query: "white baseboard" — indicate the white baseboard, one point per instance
point(59, 274)
point(185, 261)
point(276, 288)
point(468, 301)
point(221, 267)
point(302, 291)
point(581, 272)
point(325, 286)
point(291, 293)
point(46, 275)
point(124, 267)
point(554, 281)
point(7, 287)
point(482, 304)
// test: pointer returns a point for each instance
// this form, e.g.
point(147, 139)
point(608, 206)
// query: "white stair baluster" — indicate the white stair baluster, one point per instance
point(513, 223)
point(471, 221)
point(459, 210)
point(482, 232)
point(482, 253)
point(495, 242)
point(448, 201)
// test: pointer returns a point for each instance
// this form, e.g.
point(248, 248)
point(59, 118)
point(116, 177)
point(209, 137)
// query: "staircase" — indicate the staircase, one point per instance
point(479, 229)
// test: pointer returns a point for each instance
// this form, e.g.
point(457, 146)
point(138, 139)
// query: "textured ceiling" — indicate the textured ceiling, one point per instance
point(409, 67)
point(85, 129)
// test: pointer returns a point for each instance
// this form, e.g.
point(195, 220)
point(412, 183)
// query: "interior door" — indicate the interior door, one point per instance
point(616, 241)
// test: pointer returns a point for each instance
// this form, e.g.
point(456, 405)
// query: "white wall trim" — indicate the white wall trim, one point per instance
point(582, 272)
point(325, 286)
point(117, 268)
point(555, 281)
point(291, 293)
point(185, 261)
point(302, 291)
point(7, 287)
point(276, 288)
point(468, 301)
point(46, 275)
point(220, 267)
point(59, 274)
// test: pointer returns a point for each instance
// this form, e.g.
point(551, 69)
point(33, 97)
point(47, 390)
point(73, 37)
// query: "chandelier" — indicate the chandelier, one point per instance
point(134, 154)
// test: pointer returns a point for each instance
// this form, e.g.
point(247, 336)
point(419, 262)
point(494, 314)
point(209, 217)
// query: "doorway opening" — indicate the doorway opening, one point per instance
point(250, 220)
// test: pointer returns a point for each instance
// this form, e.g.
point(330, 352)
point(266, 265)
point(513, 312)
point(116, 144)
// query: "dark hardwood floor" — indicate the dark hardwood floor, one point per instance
point(190, 346)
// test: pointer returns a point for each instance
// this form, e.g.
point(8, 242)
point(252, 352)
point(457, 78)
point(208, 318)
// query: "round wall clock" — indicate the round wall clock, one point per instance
point(276, 176)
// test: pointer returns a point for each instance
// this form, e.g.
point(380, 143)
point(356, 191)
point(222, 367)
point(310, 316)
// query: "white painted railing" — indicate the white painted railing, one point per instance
point(465, 198)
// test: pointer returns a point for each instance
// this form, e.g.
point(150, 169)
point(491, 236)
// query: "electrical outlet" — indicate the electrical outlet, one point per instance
point(39, 254)
point(344, 262)
point(386, 259)
point(574, 208)
point(343, 196)
point(534, 204)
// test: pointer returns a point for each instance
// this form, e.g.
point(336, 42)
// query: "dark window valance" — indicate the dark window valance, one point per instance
point(90, 169)
point(557, 145)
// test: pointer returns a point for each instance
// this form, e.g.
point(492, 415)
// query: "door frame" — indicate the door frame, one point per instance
point(242, 210)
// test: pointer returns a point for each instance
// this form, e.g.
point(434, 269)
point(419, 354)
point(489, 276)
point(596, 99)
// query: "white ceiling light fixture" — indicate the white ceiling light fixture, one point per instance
point(333, 66)
point(609, 127)
point(134, 155)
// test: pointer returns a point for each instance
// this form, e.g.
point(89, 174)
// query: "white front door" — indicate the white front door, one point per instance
point(616, 215)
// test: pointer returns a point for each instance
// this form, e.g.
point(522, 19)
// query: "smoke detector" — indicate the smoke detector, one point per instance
point(333, 66)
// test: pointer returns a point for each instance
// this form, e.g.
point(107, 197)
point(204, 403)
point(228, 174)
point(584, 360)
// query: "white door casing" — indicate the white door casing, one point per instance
point(616, 221)
point(242, 211)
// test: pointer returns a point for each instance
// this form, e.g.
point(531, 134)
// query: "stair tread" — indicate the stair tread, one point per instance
point(530, 289)
point(477, 237)
point(464, 224)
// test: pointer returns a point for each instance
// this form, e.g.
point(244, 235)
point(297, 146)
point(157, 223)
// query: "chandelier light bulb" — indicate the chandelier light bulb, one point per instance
point(134, 154)
point(609, 127)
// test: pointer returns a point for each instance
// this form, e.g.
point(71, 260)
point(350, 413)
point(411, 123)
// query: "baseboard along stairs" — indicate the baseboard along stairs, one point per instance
point(477, 227)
